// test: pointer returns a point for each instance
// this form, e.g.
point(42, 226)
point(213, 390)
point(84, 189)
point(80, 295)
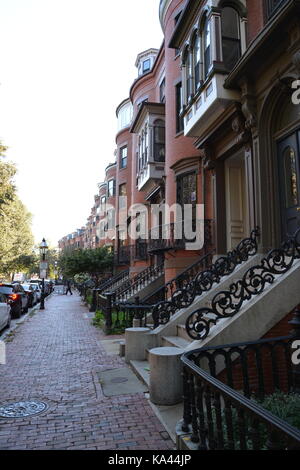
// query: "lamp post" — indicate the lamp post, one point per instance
point(43, 270)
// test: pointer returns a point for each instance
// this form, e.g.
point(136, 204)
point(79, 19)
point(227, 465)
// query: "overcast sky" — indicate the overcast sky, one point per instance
point(65, 65)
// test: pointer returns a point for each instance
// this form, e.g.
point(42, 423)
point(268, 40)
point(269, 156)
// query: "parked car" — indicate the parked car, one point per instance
point(40, 282)
point(31, 294)
point(38, 291)
point(5, 315)
point(17, 298)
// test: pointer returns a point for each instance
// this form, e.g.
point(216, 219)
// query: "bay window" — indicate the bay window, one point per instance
point(207, 48)
point(197, 61)
point(231, 41)
point(159, 140)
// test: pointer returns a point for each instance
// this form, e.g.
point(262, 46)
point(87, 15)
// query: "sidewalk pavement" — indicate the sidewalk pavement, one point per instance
point(56, 357)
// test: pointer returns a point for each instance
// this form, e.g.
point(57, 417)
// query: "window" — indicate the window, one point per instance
point(197, 61)
point(176, 19)
point(162, 89)
point(146, 66)
point(187, 192)
point(189, 75)
point(179, 118)
point(230, 37)
point(102, 203)
point(123, 157)
point(122, 196)
point(159, 141)
point(273, 5)
point(207, 48)
point(110, 219)
point(111, 188)
point(143, 148)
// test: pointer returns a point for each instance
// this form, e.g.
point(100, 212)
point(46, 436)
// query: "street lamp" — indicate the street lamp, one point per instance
point(43, 270)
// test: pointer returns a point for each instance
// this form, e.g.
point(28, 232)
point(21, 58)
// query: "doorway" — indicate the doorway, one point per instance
point(237, 211)
point(288, 154)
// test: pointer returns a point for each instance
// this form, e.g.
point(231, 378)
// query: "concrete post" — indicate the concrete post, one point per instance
point(165, 375)
point(136, 343)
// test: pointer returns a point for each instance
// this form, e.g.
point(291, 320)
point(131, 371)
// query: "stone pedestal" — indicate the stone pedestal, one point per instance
point(136, 344)
point(165, 375)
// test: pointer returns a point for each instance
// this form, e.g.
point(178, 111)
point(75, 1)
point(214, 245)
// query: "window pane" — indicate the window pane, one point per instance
point(207, 57)
point(290, 177)
point(231, 52)
point(146, 65)
point(230, 23)
point(197, 60)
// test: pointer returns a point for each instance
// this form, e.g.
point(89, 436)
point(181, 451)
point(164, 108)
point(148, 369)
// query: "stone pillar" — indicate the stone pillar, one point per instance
point(136, 343)
point(165, 375)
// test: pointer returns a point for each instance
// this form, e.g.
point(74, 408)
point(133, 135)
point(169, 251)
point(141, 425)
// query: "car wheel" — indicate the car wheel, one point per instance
point(17, 312)
point(25, 309)
point(8, 320)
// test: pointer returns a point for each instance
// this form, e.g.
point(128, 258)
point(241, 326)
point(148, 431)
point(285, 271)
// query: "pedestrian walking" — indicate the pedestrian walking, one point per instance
point(68, 288)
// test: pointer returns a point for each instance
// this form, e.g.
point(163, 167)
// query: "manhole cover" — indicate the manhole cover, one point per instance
point(119, 380)
point(22, 409)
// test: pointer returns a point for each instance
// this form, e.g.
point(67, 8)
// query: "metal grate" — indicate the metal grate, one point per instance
point(22, 409)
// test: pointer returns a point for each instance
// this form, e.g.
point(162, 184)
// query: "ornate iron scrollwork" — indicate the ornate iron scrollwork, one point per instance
point(228, 303)
point(203, 282)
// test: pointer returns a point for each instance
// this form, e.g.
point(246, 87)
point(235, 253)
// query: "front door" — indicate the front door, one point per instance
point(237, 213)
point(289, 182)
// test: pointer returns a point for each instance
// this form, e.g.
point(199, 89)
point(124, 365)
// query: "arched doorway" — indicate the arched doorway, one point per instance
point(277, 166)
point(287, 137)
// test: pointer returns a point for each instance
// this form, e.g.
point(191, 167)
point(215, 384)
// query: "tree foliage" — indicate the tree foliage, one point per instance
point(94, 262)
point(16, 239)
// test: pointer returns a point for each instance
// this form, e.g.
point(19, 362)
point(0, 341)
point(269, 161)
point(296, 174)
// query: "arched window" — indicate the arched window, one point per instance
point(231, 37)
point(159, 140)
point(197, 61)
point(207, 47)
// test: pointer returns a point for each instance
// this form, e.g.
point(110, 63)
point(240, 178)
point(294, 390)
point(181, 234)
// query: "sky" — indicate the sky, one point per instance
point(65, 65)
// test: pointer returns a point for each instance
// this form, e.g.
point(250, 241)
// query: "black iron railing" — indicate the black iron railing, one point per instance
point(122, 255)
point(205, 280)
point(132, 287)
point(223, 391)
point(172, 237)
point(179, 282)
point(228, 303)
point(115, 281)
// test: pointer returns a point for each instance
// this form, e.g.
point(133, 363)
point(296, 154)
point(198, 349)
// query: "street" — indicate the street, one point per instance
point(55, 357)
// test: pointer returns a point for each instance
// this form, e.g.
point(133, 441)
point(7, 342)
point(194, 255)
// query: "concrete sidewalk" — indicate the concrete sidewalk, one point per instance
point(56, 357)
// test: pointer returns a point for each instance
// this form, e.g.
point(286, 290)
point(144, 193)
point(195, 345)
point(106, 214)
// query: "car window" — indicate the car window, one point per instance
point(6, 289)
point(2, 298)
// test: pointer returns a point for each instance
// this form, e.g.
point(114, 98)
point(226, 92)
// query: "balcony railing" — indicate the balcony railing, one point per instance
point(138, 251)
point(224, 389)
point(172, 237)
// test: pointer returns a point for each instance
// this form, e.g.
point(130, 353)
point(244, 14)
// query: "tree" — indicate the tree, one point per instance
point(16, 239)
point(93, 262)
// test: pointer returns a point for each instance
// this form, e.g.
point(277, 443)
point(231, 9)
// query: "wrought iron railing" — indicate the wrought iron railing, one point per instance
point(132, 287)
point(137, 251)
point(115, 281)
point(224, 388)
point(172, 237)
point(179, 282)
point(205, 280)
point(228, 303)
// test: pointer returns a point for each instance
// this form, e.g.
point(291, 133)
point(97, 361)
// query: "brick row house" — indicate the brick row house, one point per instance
point(211, 126)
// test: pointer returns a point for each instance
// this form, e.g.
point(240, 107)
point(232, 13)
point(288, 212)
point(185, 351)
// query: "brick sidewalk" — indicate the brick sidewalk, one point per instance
point(53, 357)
